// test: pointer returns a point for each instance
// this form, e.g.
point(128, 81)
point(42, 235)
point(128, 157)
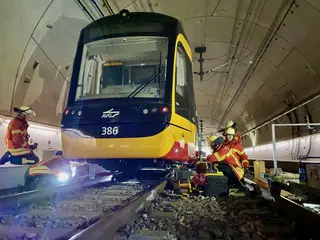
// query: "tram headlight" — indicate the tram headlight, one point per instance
point(63, 176)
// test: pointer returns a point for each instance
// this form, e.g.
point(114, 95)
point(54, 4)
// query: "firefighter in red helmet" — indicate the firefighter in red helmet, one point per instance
point(17, 139)
point(232, 143)
point(229, 163)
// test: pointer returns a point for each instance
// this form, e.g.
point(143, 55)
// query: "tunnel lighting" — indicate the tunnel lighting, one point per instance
point(250, 62)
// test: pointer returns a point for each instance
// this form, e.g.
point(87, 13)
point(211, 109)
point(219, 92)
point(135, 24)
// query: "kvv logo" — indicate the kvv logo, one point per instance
point(110, 114)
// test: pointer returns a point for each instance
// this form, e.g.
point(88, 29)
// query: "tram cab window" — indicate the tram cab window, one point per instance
point(182, 81)
point(121, 66)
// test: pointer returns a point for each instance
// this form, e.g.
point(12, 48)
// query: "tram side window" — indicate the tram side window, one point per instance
point(90, 73)
point(182, 96)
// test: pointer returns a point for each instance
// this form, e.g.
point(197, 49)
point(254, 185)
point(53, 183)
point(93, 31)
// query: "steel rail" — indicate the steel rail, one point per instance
point(307, 220)
point(107, 227)
point(24, 198)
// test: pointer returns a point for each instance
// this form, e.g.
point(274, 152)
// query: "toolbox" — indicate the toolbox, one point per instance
point(217, 185)
point(183, 174)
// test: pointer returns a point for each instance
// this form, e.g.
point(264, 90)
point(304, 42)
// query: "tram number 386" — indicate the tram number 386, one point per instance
point(108, 131)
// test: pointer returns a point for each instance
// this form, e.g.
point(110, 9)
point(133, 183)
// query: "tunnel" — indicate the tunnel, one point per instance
point(259, 68)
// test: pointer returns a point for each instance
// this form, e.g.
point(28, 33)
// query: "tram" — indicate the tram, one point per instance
point(131, 99)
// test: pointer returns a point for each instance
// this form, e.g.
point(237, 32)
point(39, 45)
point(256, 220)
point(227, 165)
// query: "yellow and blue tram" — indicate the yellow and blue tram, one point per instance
point(131, 98)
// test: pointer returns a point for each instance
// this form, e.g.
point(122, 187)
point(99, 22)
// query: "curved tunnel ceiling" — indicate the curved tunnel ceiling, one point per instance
point(263, 54)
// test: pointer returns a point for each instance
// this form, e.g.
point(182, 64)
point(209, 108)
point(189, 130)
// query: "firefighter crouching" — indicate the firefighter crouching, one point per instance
point(228, 162)
point(232, 143)
point(19, 151)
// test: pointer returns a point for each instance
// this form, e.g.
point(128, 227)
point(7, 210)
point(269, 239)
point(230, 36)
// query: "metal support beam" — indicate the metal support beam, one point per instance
point(275, 166)
point(200, 137)
point(201, 50)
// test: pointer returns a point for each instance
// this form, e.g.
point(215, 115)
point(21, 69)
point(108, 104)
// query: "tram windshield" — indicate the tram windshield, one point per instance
point(122, 68)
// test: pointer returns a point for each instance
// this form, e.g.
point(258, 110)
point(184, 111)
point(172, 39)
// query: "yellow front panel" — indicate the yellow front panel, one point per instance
point(145, 147)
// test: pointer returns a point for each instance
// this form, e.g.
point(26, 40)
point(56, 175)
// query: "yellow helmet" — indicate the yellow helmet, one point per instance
point(211, 139)
point(230, 131)
point(25, 110)
point(229, 124)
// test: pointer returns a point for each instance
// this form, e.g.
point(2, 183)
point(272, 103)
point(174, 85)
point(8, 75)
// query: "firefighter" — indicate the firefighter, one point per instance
point(232, 143)
point(233, 125)
point(19, 151)
point(229, 163)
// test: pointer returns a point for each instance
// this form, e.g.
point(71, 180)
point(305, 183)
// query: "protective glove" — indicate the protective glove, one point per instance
point(34, 146)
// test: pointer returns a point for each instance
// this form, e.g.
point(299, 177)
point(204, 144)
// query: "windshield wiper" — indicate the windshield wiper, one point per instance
point(142, 86)
point(146, 82)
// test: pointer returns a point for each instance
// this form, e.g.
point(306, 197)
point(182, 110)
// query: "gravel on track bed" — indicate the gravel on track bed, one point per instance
point(228, 218)
point(68, 211)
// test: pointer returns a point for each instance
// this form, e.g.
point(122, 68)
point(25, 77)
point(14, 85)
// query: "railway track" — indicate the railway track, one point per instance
point(123, 211)
point(250, 216)
point(66, 211)
point(231, 217)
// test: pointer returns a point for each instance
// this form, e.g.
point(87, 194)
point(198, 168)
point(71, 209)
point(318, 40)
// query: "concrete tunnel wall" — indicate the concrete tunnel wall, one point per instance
point(38, 42)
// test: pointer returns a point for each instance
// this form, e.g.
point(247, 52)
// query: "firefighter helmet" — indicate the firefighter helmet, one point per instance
point(24, 110)
point(217, 143)
point(231, 124)
point(211, 139)
point(231, 131)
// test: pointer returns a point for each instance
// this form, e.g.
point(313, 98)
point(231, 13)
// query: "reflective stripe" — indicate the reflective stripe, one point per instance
point(236, 159)
point(219, 158)
point(27, 161)
point(238, 171)
point(237, 151)
point(18, 131)
point(34, 172)
point(244, 162)
point(39, 168)
point(19, 151)
point(39, 173)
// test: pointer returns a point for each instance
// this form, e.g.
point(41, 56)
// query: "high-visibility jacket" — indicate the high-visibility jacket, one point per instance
point(238, 150)
point(17, 137)
point(228, 156)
